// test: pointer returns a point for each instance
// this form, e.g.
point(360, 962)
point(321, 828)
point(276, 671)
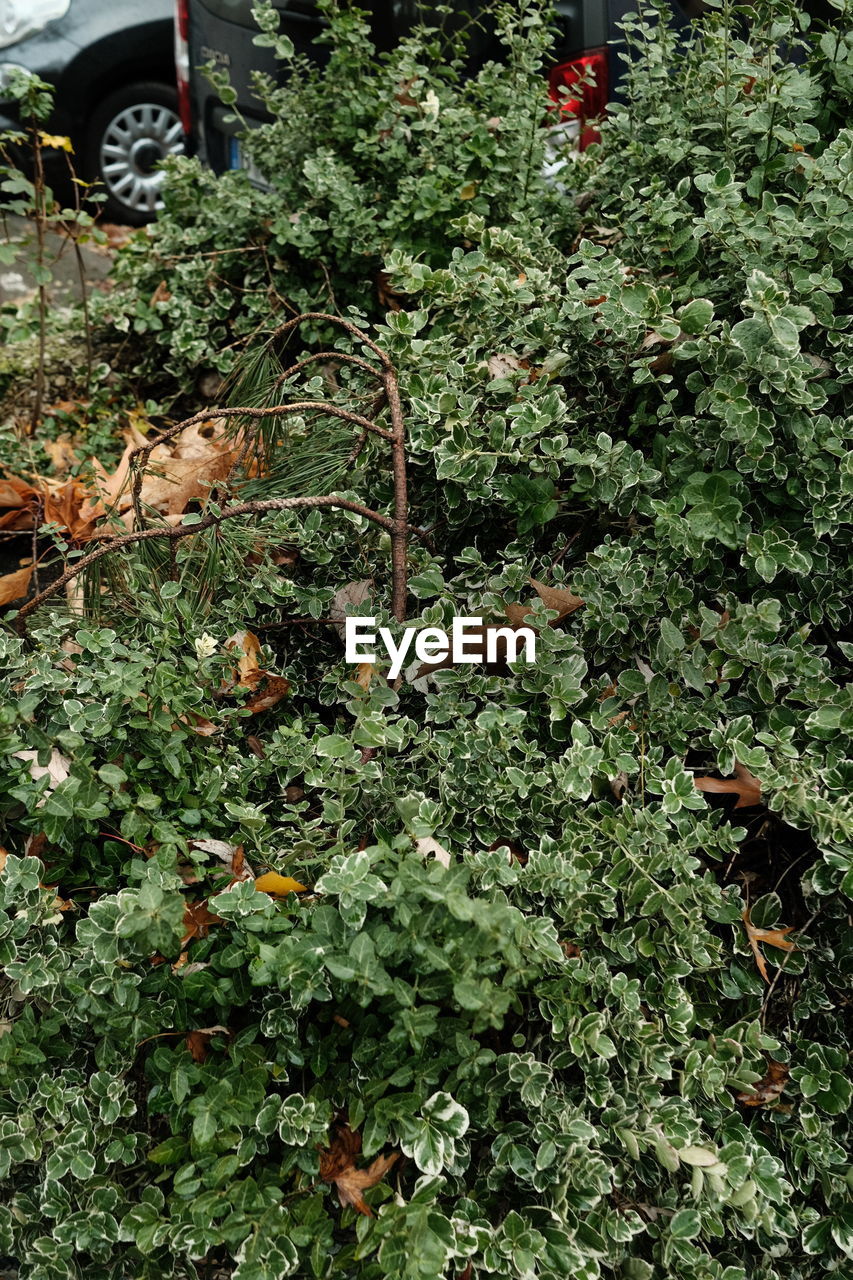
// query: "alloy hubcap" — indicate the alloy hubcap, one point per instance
point(134, 143)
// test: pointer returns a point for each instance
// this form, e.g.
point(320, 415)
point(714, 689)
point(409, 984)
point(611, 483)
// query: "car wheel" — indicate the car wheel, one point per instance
point(128, 136)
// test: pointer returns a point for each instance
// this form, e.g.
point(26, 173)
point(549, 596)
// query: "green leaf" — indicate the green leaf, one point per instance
point(685, 1224)
point(696, 316)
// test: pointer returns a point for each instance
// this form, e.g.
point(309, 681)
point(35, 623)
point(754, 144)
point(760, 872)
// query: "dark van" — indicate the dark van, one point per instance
point(221, 31)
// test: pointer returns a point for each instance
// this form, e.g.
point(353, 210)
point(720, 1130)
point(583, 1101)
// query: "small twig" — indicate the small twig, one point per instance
point(215, 253)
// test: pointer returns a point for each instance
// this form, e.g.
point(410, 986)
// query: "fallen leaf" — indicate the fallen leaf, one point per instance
point(278, 886)
point(61, 450)
point(772, 937)
point(274, 689)
point(502, 365)
point(388, 296)
point(256, 746)
point(430, 848)
point(248, 650)
point(15, 492)
point(468, 191)
point(364, 673)
point(198, 1041)
point(4, 854)
point(56, 769)
point(744, 785)
point(198, 919)
point(198, 724)
point(337, 1165)
point(558, 598)
point(769, 1088)
point(14, 585)
point(345, 600)
point(269, 689)
point(403, 96)
point(231, 856)
point(160, 294)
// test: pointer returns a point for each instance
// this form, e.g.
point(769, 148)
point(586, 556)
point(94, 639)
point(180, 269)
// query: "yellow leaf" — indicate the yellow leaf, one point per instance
point(56, 140)
point(272, 882)
point(468, 191)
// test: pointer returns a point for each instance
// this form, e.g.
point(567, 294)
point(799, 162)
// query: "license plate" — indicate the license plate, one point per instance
point(238, 159)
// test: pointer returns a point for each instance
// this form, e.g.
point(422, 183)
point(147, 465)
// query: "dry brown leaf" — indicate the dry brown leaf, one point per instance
point(769, 1089)
point(345, 601)
point(560, 599)
point(178, 472)
point(198, 1042)
point(505, 363)
point(337, 1165)
point(4, 854)
point(744, 785)
point(231, 856)
point(198, 724)
point(247, 649)
point(772, 937)
point(364, 673)
point(273, 690)
point(278, 886)
point(15, 493)
point(67, 505)
point(268, 688)
point(15, 585)
point(198, 919)
point(61, 453)
point(388, 296)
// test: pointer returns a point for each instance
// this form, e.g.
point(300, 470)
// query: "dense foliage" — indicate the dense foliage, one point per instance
point(587, 1037)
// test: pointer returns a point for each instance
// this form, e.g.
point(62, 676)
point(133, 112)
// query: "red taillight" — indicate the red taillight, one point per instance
point(588, 75)
point(182, 62)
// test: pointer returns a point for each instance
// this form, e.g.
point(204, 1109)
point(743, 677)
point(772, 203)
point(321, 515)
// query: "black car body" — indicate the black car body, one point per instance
point(113, 69)
point(221, 31)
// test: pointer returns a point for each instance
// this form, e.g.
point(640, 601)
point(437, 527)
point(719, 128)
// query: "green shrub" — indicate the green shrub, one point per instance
point(412, 144)
point(565, 1034)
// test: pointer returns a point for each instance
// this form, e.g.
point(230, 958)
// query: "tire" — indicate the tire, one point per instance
point(129, 133)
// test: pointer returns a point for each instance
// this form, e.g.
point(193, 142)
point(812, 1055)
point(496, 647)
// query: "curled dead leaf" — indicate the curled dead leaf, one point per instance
point(744, 785)
point(346, 600)
point(198, 920)
point(274, 688)
point(769, 1088)
point(198, 1042)
point(771, 937)
point(337, 1166)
